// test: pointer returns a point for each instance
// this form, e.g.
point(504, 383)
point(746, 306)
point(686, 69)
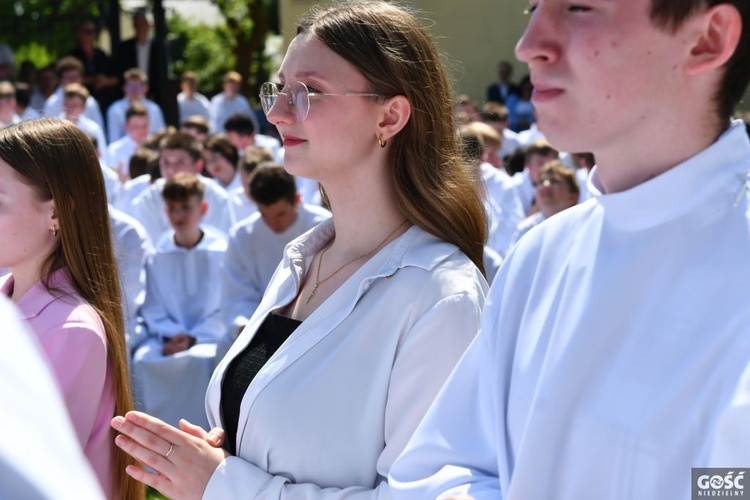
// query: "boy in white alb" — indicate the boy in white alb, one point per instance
point(182, 309)
point(229, 102)
point(137, 127)
point(615, 344)
point(135, 89)
point(70, 70)
point(132, 249)
point(256, 245)
point(180, 153)
point(74, 105)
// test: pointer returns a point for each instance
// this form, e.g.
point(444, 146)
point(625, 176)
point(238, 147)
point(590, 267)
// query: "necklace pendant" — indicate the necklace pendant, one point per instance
point(312, 294)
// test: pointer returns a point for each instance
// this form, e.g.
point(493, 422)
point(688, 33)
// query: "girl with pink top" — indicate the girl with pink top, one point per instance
point(56, 241)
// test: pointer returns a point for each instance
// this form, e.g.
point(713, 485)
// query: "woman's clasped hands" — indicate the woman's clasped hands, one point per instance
point(183, 460)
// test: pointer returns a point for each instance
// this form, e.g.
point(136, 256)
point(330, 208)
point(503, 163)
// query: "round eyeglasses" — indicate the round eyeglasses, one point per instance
point(297, 97)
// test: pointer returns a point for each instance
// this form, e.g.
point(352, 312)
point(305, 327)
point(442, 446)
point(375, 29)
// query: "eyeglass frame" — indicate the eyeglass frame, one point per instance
point(308, 93)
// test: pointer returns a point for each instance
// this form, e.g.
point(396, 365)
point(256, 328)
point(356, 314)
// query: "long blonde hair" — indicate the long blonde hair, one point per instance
point(397, 56)
point(60, 162)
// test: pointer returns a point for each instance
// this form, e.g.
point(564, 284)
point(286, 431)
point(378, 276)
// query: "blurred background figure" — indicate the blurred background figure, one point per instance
point(7, 63)
point(99, 72)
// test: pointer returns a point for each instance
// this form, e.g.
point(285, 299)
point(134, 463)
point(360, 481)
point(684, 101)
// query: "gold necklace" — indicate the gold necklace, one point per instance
point(319, 282)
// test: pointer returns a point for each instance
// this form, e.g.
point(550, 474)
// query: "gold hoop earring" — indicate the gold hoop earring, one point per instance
point(381, 141)
point(54, 231)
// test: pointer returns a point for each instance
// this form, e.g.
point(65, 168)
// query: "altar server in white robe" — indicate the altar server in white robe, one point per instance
point(74, 104)
point(141, 164)
point(180, 152)
point(256, 245)
point(371, 309)
point(182, 309)
point(472, 152)
point(132, 248)
point(617, 333)
point(70, 70)
point(120, 151)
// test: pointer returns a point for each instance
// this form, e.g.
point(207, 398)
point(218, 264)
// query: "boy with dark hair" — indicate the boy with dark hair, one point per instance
point(243, 132)
point(615, 346)
point(137, 125)
point(171, 370)
point(195, 125)
point(256, 244)
point(497, 116)
point(23, 102)
point(221, 159)
point(517, 196)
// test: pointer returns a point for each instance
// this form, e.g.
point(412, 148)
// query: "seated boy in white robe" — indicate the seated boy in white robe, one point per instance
point(172, 368)
point(180, 152)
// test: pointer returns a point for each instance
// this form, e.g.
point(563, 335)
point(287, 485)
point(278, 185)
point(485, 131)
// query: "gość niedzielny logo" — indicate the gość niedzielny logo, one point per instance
point(718, 483)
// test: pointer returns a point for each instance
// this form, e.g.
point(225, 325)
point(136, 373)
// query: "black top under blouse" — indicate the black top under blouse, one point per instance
point(273, 332)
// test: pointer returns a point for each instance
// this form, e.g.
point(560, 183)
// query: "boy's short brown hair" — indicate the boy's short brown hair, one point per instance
point(196, 122)
point(555, 168)
point(136, 74)
point(233, 76)
point(252, 157)
point(135, 109)
point(183, 186)
point(68, 63)
point(542, 148)
point(218, 143)
point(76, 90)
point(184, 142)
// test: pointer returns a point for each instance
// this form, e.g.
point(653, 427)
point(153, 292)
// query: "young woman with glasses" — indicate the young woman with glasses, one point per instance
point(367, 313)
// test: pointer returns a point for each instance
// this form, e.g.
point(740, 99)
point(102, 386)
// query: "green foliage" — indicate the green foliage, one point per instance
point(207, 50)
point(40, 55)
point(43, 30)
point(237, 44)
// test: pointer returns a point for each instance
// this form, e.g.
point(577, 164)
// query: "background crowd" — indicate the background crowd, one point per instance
point(200, 212)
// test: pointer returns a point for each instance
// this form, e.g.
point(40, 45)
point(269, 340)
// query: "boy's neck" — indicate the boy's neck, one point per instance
point(619, 171)
point(188, 239)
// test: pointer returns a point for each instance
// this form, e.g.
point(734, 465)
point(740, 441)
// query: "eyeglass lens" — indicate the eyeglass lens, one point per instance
point(298, 103)
point(296, 94)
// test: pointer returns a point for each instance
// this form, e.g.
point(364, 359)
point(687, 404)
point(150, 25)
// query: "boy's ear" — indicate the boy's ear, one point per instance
point(204, 207)
point(719, 29)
